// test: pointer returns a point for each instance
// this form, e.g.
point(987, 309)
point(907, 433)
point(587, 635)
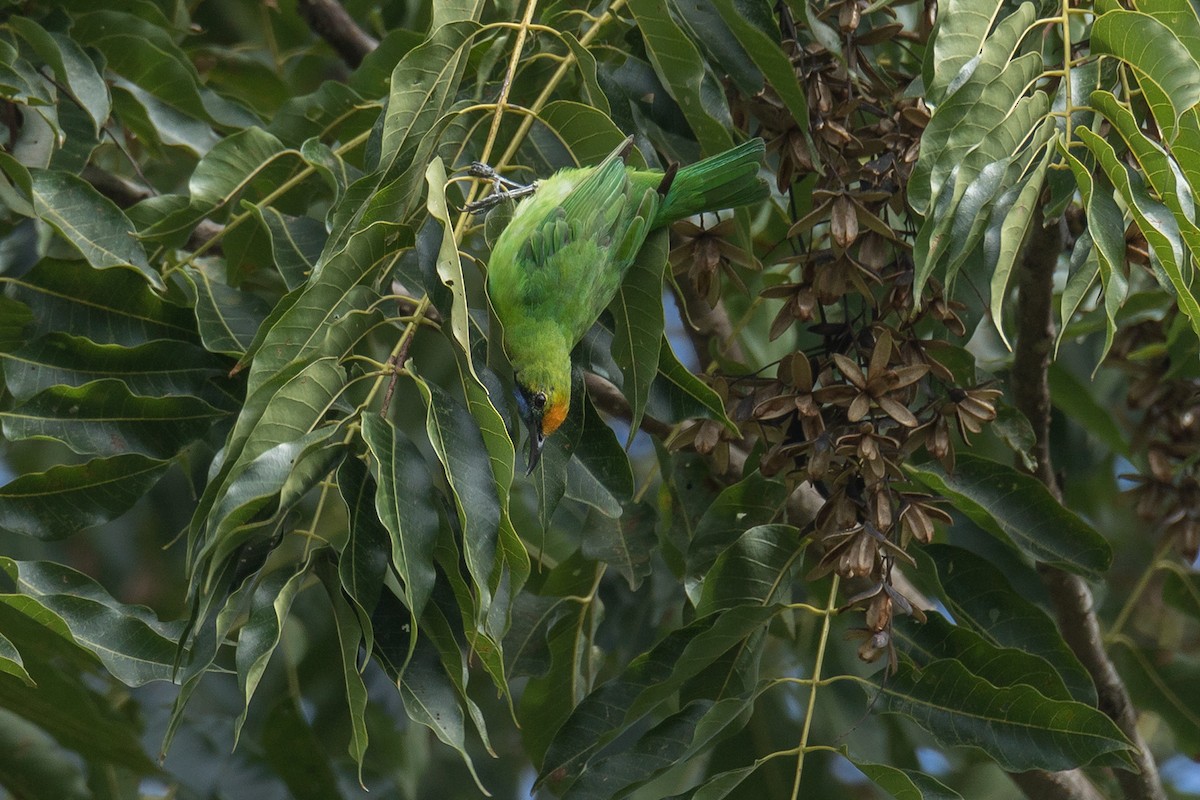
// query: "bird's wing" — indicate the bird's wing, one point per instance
point(576, 255)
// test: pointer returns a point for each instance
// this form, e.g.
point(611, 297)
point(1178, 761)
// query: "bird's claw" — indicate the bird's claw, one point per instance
point(502, 190)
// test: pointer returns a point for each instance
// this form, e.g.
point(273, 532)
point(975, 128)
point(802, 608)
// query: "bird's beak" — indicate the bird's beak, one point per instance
point(536, 440)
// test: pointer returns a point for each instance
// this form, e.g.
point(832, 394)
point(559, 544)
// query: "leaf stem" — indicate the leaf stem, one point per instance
point(802, 748)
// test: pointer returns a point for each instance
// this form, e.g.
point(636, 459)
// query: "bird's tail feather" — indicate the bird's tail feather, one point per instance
point(726, 180)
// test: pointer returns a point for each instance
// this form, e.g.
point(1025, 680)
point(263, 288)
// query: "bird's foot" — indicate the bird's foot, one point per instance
point(502, 187)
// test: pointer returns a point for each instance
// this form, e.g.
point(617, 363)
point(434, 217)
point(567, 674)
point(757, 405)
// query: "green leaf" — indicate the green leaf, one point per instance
point(71, 66)
point(962, 28)
point(112, 306)
point(1150, 47)
point(158, 368)
point(752, 501)
point(1154, 220)
point(681, 68)
point(979, 595)
point(587, 133)
point(296, 753)
point(678, 394)
point(367, 552)
point(638, 316)
point(449, 266)
point(349, 635)
point(903, 784)
point(1106, 228)
point(649, 680)
point(61, 703)
point(431, 700)
point(1017, 726)
point(755, 569)
point(1017, 508)
point(422, 88)
point(982, 102)
point(104, 418)
point(459, 445)
point(722, 784)
point(300, 330)
point(68, 498)
point(764, 50)
point(625, 543)
point(592, 95)
point(1001, 666)
point(11, 662)
point(129, 640)
point(259, 637)
point(91, 222)
point(1163, 682)
point(35, 766)
point(1013, 227)
point(404, 502)
point(296, 243)
point(144, 54)
point(599, 474)
point(228, 319)
point(1077, 400)
point(259, 493)
point(668, 745)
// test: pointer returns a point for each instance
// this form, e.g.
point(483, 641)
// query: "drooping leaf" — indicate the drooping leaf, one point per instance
point(404, 503)
point(755, 568)
point(904, 784)
point(681, 68)
point(1001, 666)
point(111, 306)
point(638, 316)
point(753, 501)
point(1150, 47)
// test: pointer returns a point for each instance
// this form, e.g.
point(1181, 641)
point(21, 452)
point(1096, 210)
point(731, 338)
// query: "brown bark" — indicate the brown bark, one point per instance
point(1069, 594)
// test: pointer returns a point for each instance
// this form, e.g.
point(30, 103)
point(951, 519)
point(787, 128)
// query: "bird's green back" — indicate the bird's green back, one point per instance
point(565, 252)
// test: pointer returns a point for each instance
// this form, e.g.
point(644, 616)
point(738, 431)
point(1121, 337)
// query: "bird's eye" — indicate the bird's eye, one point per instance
point(539, 401)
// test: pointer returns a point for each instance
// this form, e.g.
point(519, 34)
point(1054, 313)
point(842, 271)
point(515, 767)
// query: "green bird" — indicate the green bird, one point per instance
point(562, 257)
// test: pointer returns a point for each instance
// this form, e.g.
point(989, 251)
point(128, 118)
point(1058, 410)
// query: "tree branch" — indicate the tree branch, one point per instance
point(329, 20)
point(126, 193)
point(711, 323)
point(1070, 595)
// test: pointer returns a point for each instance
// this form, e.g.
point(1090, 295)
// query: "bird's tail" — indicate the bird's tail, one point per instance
point(726, 180)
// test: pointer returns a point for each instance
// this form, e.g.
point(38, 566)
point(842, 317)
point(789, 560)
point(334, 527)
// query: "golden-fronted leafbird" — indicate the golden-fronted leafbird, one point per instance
point(562, 257)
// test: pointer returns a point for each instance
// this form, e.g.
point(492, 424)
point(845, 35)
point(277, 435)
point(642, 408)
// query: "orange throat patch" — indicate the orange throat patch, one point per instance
point(552, 417)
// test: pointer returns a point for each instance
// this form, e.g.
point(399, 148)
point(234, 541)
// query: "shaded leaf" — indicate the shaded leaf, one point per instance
point(1017, 508)
point(404, 504)
point(1016, 725)
point(129, 640)
point(68, 498)
point(104, 418)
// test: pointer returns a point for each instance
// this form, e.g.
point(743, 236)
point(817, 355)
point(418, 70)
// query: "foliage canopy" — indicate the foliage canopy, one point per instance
point(263, 487)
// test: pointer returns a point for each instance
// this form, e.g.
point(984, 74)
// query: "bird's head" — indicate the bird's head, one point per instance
point(542, 400)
